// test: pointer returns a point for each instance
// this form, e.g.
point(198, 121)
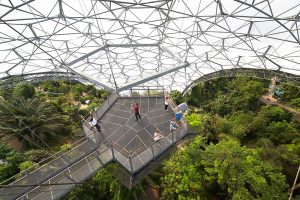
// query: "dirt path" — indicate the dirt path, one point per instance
point(272, 101)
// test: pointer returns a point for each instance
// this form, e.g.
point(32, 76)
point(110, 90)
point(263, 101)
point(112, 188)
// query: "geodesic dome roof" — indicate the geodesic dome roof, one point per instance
point(118, 44)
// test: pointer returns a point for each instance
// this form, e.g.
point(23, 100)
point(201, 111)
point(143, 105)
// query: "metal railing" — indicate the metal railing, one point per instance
point(144, 91)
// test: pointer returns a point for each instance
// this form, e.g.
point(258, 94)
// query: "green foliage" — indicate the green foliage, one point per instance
point(205, 92)
point(25, 165)
point(290, 92)
point(78, 89)
point(188, 181)
point(83, 112)
point(54, 87)
point(13, 160)
point(273, 113)
point(30, 119)
point(241, 123)
point(279, 132)
point(4, 150)
point(223, 97)
point(65, 147)
point(25, 90)
point(193, 119)
point(221, 105)
point(285, 155)
point(231, 170)
point(104, 186)
point(37, 155)
point(296, 102)
point(245, 93)
point(69, 109)
point(237, 168)
point(6, 93)
point(177, 97)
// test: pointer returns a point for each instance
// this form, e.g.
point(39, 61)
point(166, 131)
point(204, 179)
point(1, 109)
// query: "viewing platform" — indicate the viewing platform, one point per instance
point(122, 139)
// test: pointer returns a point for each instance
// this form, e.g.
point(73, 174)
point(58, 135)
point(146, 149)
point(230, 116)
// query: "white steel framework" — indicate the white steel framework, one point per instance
point(118, 44)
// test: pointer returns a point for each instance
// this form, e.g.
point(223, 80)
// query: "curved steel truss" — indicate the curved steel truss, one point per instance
point(248, 72)
point(120, 44)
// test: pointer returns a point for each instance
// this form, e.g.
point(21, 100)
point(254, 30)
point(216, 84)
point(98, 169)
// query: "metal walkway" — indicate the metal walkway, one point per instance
point(122, 140)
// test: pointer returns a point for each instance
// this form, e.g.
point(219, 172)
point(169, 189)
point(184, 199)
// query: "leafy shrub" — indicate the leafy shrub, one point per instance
point(13, 161)
point(83, 99)
point(24, 90)
point(177, 96)
point(279, 132)
point(65, 147)
point(83, 112)
point(78, 89)
point(296, 102)
point(274, 113)
point(37, 155)
point(25, 165)
point(193, 119)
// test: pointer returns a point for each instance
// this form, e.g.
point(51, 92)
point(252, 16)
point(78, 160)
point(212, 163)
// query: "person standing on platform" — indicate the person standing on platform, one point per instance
point(94, 123)
point(178, 116)
point(166, 103)
point(173, 125)
point(136, 109)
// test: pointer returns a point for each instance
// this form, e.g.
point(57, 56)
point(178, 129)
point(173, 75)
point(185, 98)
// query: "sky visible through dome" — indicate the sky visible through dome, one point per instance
point(119, 44)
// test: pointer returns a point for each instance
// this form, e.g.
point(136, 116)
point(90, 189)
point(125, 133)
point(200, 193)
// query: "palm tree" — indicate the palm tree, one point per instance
point(31, 119)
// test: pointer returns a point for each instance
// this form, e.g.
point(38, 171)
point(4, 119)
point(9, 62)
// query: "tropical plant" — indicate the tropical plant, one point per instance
point(177, 96)
point(10, 162)
point(24, 90)
point(104, 186)
point(30, 119)
point(227, 169)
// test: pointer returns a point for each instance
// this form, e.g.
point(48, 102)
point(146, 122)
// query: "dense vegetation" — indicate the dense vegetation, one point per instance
point(239, 148)
point(243, 149)
point(41, 119)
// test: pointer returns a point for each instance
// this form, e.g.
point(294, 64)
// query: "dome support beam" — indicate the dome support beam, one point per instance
point(151, 77)
point(91, 79)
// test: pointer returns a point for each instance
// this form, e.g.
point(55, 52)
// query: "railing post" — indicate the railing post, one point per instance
point(148, 91)
point(172, 132)
point(108, 101)
point(130, 162)
point(152, 150)
point(112, 151)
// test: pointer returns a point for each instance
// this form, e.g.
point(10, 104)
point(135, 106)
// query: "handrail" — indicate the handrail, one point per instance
point(107, 96)
point(53, 156)
point(45, 161)
point(62, 171)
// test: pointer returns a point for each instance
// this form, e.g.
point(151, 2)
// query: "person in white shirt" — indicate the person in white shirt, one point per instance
point(157, 135)
point(93, 122)
point(166, 103)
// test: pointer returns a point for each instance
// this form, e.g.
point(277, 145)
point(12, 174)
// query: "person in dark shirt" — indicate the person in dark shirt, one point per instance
point(136, 109)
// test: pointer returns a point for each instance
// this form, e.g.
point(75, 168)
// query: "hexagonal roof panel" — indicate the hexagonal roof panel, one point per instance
point(118, 44)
